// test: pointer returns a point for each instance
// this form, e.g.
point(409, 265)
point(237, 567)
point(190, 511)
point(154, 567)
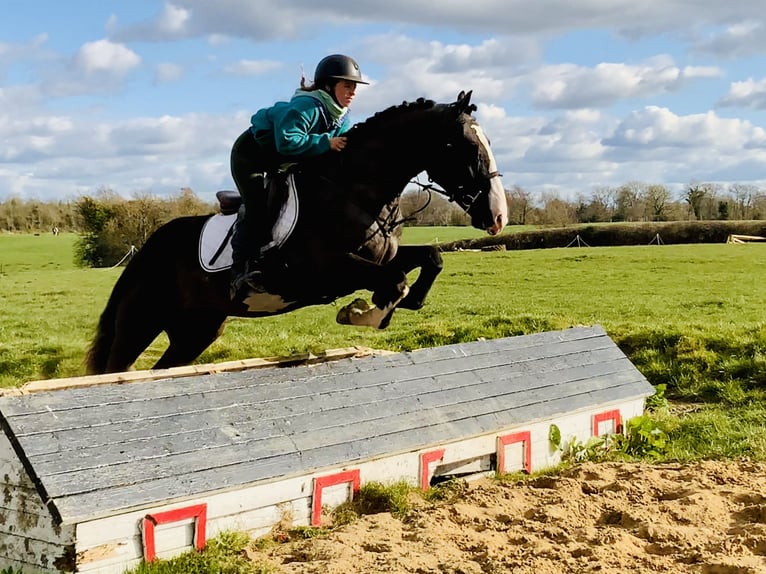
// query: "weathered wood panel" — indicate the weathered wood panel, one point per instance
point(102, 449)
point(331, 413)
point(34, 554)
point(30, 538)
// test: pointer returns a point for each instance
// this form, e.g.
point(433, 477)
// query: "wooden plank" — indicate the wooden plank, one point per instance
point(477, 418)
point(185, 371)
point(21, 499)
point(242, 409)
point(222, 506)
point(370, 419)
point(345, 454)
point(52, 417)
point(299, 377)
point(208, 430)
point(237, 428)
point(116, 554)
point(101, 503)
point(27, 567)
point(511, 345)
point(320, 417)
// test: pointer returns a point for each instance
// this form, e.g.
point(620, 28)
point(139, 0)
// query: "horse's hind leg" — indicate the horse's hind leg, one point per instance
point(190, 333)
point(135, 331)
point(410, 257)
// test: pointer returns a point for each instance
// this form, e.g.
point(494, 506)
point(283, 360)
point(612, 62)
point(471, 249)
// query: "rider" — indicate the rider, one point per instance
point(310, 124)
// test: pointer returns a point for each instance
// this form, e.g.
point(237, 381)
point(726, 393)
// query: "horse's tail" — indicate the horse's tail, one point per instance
point(147, 263)
point(97, 355)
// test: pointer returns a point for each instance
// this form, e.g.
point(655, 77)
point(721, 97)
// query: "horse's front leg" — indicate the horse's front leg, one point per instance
point(388, 284)
point(429, 260)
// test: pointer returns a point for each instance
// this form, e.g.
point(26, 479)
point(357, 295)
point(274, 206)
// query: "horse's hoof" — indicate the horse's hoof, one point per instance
point(356, 308)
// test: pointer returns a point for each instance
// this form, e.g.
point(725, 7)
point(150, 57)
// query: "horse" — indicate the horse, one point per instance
point(343, 238)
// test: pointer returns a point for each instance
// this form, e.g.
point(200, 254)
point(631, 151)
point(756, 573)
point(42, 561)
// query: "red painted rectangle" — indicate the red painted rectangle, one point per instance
point(523, 437)
point(426, 459)
point(613, 415)
point(322, 482)
point(198, 512)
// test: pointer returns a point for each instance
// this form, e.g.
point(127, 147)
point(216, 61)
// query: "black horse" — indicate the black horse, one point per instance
point(343, 239)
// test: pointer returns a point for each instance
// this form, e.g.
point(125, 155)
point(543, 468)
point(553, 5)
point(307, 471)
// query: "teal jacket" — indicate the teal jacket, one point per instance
point(301, 127)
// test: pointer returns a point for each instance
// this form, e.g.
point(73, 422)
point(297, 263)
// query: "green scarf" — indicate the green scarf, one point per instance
point(335, 111)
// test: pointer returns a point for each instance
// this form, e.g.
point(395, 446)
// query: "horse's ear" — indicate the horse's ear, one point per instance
point(464, 102)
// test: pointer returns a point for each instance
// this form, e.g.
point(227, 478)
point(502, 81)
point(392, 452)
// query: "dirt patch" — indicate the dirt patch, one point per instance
point(610, 518)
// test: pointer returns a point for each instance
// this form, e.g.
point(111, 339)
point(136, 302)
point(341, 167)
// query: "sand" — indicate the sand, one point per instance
point(610, 518)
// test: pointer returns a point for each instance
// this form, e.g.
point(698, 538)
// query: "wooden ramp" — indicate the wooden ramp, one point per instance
point(240, 444)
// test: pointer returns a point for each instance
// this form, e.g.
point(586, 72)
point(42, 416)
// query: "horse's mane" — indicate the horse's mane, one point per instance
point(383, 117)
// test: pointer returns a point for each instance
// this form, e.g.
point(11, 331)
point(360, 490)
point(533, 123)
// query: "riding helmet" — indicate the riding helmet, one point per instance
point(337, 67)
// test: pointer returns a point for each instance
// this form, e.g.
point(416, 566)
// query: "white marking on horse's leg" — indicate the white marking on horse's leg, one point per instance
point(355, 314)
point(264, 302)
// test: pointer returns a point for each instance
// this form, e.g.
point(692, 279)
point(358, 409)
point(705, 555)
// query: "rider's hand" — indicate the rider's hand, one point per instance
point(337, 144)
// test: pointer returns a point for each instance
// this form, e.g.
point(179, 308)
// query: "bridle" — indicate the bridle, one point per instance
point(458, 196)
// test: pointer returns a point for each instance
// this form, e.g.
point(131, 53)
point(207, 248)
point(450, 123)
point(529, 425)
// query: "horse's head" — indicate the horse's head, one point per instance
point(465, 168)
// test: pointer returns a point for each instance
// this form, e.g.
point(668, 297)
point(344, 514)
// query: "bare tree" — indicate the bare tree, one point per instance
point(519, 204)
point(655, 199)
point(743, 198)
point(556, 211)
point(606, 199)
point(629, 201)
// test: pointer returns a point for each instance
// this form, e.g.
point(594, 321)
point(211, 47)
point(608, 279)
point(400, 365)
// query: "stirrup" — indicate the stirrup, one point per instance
point(250, 278)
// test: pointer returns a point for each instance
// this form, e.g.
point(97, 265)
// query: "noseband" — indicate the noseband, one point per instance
point(464, 200)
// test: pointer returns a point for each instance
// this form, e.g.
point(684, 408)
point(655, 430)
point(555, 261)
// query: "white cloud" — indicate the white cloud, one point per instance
point(104, 56)
point(268, 19)
point(173, 20)
point(573, 86)
point(746, 94)
point(744, 38)
point(555, 119)
point(655, 127)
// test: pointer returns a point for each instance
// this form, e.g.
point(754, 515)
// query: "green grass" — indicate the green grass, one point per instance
point(223, 554)
point(688, 316)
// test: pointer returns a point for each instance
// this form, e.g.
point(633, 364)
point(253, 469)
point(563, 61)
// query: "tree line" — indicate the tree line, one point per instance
point(638, 201)
point(111, 225)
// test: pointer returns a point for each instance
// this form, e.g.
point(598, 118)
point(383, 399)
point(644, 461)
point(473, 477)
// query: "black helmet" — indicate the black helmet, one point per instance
point(338, 67)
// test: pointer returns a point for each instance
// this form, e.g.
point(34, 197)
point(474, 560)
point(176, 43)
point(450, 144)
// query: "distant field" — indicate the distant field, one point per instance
point(49, 307)
point(436, 234)
point(689, 316)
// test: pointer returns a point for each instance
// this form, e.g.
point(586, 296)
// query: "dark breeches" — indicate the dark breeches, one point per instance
point(249, 163)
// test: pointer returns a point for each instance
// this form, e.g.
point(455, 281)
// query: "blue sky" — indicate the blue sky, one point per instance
point(146, 97)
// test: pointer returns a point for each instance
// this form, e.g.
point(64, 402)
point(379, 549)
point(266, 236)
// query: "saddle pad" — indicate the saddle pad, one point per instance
point(215, 236)
point(215, 239)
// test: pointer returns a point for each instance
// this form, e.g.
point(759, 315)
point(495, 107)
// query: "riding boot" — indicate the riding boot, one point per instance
point(262, 226)
point(244, 241)
point(239, 245)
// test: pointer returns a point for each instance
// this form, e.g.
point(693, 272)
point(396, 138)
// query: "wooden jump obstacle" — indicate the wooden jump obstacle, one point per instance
point(98, 478)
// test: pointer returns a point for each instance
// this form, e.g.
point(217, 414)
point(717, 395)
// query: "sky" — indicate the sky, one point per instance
point(146, 97)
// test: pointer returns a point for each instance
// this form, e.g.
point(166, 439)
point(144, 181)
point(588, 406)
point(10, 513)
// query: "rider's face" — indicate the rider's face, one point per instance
point(344, 92)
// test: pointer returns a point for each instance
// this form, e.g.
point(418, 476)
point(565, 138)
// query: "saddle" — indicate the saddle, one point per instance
point(228, 201)
point(215, 240)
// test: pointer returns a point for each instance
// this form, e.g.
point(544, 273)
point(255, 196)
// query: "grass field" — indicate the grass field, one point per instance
point(689, 316)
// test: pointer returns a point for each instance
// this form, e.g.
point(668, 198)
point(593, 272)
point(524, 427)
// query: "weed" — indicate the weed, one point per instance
point(375, 497)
